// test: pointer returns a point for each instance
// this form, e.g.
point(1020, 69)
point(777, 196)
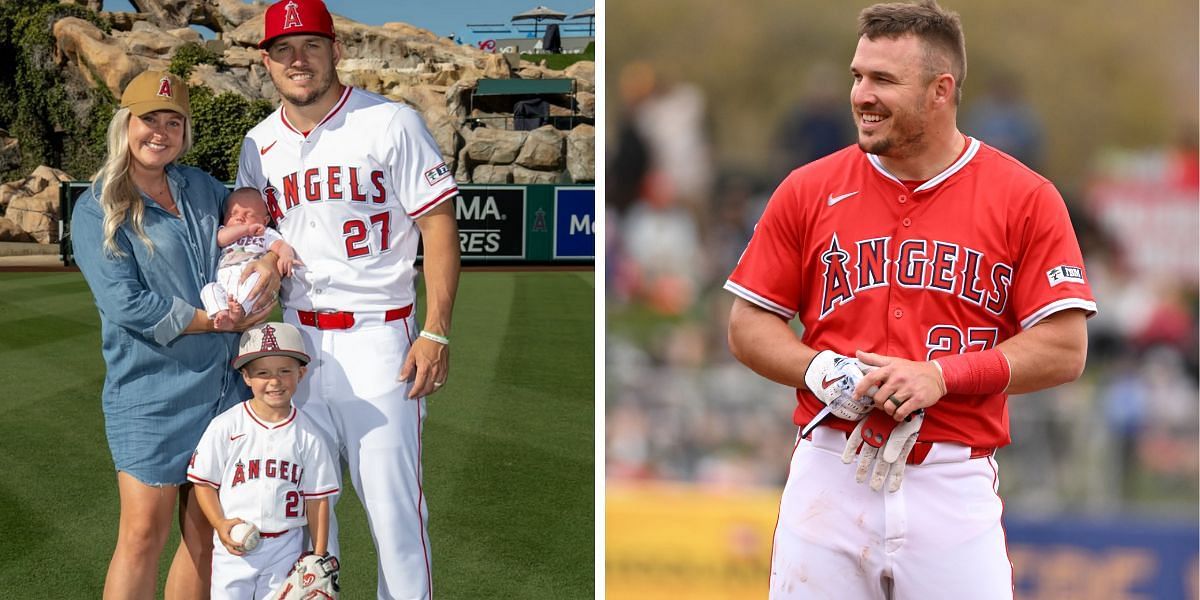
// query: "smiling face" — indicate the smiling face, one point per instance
point(156, 138)
point(245, 207)
point(303, 67)
point(890, 98)
point(273, 380)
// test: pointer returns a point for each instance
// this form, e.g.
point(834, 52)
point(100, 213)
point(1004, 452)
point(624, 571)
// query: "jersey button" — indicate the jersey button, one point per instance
point(903, 199)
point(314, 223)
point(907, 222)
point(898, 313)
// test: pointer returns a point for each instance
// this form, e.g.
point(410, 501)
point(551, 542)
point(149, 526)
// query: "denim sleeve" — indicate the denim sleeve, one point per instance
point(116, 282)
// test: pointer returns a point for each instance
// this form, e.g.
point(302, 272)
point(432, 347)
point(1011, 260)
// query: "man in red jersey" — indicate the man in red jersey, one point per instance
point(933, 275)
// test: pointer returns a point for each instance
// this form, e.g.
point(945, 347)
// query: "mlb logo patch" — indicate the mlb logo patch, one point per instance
point(1065, 274)
point(437, 174)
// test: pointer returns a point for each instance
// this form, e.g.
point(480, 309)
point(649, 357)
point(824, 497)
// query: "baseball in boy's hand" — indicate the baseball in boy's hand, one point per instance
point(245, 535)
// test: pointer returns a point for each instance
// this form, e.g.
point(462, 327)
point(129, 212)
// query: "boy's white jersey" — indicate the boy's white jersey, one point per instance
point(264, 471)
point(345, 196)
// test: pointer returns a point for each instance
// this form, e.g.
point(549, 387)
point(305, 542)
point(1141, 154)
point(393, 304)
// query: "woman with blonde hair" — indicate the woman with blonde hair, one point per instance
point(144, 236)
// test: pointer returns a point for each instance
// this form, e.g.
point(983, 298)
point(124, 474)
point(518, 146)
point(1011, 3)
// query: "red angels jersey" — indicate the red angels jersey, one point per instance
point(263, 472)
point(345, 196)
point(962, 262)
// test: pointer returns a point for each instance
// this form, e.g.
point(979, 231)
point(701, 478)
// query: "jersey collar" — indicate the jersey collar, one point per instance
point(333, 111)
point(967, 155)
point(264, 424)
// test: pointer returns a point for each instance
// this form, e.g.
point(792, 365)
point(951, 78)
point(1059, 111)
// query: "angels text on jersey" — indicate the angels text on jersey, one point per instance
point(330, 183)
point(858, 267)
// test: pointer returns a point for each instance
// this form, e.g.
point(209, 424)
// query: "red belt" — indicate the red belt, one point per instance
point(273, 535)
point(337, 319)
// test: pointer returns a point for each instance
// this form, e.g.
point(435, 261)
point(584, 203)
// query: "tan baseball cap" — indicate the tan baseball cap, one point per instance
point(156, 90)
point(270, 339)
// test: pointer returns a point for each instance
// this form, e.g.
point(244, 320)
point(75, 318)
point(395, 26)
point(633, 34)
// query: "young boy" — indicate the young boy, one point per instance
point(263, 462)
point(244, 237)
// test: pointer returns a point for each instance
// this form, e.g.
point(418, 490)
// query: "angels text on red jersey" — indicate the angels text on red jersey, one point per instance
point(857, 267)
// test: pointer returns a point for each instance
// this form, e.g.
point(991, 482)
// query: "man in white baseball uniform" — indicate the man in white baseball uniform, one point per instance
point(352, 179)
point(265, 463)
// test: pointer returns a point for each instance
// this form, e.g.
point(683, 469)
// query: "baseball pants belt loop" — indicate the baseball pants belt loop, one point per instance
point(340, 319)
point(834, 440)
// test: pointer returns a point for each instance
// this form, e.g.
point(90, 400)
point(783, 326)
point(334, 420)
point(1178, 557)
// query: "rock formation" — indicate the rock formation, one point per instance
point(31, 207)
point(397, 60)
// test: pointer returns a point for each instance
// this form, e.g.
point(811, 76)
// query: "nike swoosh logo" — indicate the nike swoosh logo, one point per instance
point(835, 199)
point(825, 383)
point(234, 438)
point(264, 151)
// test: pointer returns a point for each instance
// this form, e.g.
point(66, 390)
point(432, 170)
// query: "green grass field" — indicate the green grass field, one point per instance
point(509, 445)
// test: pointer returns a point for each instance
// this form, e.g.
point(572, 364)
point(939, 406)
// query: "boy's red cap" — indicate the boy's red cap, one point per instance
point(291, 17)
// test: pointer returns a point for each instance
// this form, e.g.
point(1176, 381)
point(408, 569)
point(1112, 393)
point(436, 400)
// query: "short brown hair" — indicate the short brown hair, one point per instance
point(939, 29)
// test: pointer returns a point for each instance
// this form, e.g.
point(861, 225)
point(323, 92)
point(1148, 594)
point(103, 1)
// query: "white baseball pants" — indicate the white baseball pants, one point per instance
point(938, 536)
point(352, 384)
point(255, 574)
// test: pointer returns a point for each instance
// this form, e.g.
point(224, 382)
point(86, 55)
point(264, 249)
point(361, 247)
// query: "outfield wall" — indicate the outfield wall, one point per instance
point(503, 225)
point(679, 541)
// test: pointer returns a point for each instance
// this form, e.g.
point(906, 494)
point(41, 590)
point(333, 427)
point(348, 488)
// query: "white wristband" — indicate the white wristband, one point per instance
point(441, 339)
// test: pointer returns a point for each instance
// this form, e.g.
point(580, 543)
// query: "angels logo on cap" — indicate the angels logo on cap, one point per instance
point(292, 17)
point(164, 87)
point(268, 341)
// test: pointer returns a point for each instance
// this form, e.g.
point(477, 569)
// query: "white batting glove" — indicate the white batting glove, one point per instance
point(832, 378)
point(886, 446)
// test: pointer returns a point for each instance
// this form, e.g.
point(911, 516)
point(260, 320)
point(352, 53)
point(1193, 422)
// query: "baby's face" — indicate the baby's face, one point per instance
point(245, 209)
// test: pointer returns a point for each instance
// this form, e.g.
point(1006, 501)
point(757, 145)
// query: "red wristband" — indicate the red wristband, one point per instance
point(975, 373)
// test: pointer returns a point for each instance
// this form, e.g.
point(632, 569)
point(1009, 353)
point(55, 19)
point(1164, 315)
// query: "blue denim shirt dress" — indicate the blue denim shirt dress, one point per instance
point(161, 388)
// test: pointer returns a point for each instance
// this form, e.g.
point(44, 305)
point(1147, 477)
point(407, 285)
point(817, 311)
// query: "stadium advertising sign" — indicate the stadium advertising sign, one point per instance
point(574, 223)
point(491, 222)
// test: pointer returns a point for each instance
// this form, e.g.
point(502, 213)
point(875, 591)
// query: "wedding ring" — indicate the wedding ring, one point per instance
point(895, 401)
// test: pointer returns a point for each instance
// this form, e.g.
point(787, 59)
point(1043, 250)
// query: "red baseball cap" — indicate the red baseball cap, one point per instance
point(291, 17)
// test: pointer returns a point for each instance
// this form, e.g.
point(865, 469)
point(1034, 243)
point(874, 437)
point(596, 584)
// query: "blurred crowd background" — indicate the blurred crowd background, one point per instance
point(711, 103)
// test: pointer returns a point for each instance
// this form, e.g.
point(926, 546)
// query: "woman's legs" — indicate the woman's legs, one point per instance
point(191, 571)
point(144, 526)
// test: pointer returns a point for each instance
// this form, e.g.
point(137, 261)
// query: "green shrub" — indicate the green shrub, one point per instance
point(189, 55)
point(36, 105)
point(219, 123)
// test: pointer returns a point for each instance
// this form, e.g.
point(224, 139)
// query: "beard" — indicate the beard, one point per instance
point(906, 138)
point(323, 81)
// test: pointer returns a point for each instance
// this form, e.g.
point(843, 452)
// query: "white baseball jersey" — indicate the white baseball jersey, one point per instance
point(264, 471)
point(345, 195)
